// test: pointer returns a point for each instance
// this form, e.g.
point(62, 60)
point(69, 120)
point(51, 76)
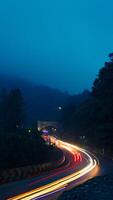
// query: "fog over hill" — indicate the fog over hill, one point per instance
point(41, 102)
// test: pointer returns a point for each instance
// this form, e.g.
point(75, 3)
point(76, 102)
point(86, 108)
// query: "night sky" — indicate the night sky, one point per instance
point(60, 43)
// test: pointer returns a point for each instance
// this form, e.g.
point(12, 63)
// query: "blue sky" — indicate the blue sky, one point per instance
point(60, 43)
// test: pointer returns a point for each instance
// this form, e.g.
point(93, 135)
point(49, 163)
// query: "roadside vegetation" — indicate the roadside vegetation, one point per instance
point(91, 121)
point(20, 146)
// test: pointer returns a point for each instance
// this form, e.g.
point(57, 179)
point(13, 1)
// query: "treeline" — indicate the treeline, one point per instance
point(41, 102)
point(23, 149)
point(12, 112)
point(19, 146)
point(92, 120)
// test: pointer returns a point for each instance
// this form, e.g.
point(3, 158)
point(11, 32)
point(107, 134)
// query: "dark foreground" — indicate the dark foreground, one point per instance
point(100, 188)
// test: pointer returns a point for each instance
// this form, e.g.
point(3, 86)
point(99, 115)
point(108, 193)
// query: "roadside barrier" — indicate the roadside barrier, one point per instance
point(28, 171)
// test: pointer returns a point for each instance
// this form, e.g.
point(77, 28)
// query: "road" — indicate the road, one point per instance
point(80, 165)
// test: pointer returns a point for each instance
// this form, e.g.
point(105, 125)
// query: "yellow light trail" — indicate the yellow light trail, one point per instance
point(62, 182)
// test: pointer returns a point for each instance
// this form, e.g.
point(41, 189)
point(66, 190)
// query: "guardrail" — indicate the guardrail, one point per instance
point(28, 171)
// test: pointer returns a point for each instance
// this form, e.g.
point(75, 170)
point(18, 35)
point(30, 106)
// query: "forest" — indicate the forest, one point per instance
point(91, 121)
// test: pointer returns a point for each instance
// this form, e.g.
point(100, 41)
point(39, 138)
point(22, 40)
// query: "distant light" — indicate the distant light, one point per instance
point(29, 130)
point(60, 108)
point(45, 131)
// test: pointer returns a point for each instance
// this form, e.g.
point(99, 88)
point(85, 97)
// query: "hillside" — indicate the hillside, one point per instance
point(41, 102)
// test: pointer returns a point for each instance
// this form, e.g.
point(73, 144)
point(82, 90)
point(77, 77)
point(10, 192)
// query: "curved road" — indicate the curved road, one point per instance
point(80, 165)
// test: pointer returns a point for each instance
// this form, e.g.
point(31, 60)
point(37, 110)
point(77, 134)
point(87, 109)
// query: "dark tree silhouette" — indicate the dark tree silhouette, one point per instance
point(111, 56)
point(15, 142)
point(102, 90)
point(94, 117)
point(14, 110)
point(3, 96)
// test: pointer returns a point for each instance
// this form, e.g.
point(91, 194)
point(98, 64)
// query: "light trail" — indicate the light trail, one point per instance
point(66, 180)
point(46, 195)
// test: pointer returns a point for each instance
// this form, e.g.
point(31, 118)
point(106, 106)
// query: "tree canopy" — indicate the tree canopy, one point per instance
point(94, 117)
